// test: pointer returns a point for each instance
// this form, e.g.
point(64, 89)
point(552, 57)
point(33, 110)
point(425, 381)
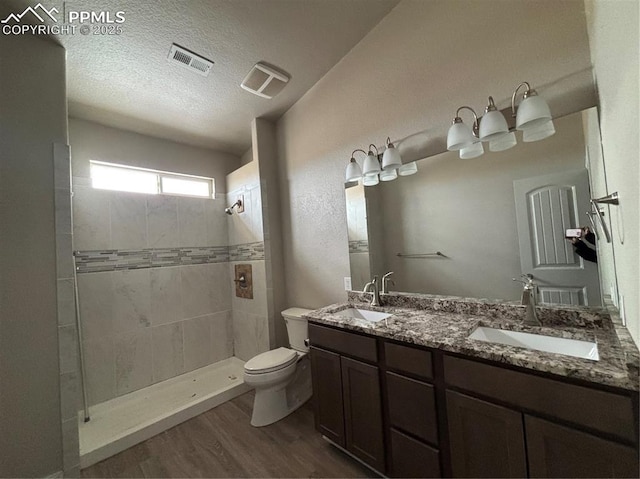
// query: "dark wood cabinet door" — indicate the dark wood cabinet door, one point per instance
point(363, 412)
point(412, 458)
point(485, 440)
point(327, 394)
point(557, 451)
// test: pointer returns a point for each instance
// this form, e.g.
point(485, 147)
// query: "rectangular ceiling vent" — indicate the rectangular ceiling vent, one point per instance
point(264, 81)
point(186, 59)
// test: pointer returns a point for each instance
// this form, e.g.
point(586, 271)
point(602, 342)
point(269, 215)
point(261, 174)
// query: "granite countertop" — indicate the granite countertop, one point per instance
point(445, 323)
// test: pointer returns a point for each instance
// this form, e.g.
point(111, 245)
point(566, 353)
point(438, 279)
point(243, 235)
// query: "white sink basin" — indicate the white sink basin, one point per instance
point(568, 347)
point(371, 316)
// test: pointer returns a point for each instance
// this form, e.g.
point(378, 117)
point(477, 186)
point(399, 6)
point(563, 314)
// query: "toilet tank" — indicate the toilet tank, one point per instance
point(297, 329)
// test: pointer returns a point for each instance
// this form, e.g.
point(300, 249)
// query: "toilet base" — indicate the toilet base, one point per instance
point(272, 404)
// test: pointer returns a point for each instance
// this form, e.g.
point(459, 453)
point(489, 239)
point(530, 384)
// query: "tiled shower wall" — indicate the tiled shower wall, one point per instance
point(146, 324)
point(246, 236)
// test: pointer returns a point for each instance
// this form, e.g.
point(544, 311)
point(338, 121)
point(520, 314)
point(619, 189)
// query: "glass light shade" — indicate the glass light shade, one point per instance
point(539, 133)
point(371, 165)
point(353, 172)
point(370, 180)
point(388, 175)
point(493, 125)
point(459, 136)
point(408, 169)
point(503, 143)
point(472, 151)
point(532, 112)
point(391, 158)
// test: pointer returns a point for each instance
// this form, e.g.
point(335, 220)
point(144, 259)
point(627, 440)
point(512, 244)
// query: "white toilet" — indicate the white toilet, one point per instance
point(281, 377)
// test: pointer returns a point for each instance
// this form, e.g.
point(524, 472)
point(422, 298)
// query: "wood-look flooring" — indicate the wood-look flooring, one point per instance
point(222, 443)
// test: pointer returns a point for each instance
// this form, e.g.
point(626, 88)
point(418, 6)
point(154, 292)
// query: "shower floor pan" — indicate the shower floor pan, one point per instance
point(127, 420)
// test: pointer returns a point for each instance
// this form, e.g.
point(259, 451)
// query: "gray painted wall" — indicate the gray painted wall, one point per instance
point(33, 117)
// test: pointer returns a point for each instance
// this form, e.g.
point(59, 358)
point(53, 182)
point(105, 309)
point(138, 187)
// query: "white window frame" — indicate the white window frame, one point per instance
point(159, 176)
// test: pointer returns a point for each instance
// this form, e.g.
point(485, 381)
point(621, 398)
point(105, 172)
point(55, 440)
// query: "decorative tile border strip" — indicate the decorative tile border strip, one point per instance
point(359, 246)
point(115, 260)
point(247, 252)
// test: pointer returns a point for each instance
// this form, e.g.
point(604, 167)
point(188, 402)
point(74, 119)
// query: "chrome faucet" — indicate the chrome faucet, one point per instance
point(375, 297)
point(386, 281)
point(529, 300)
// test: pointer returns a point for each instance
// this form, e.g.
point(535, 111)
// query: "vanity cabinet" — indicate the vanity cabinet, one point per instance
point(584, 432)
point(409, 411)
point(347, 397)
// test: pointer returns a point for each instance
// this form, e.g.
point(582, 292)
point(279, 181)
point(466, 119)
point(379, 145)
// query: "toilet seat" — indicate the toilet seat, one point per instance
point(271, 361)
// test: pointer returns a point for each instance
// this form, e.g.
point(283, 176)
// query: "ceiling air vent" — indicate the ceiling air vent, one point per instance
point(264, 81)
point(189, 60)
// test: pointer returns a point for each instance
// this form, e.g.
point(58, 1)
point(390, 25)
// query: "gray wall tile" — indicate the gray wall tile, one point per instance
point(66, 302)
point(96, 305)
point(250, 334)
point(61, 166)
point(91, 218)
point(128, 221)
point(64, 256)
point(162, 217)
point(216, 222)
point(168, 351)
point(166, 297)
point(134, 369)
point(132, 300)
point(221, 336)
point(192, 227)
point(196, 299)
point(63, 210)
point(68, 348)
point(197, 342)
point(69, 395)
point(219, 287)
point(100, 369)
point(71, 444)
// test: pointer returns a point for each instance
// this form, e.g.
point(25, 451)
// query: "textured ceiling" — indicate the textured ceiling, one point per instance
point(125, 80)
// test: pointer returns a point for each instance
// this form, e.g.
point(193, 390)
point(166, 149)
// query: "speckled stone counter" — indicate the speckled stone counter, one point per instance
point(445, 323)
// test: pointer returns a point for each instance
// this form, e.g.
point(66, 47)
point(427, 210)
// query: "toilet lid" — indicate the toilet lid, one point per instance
point(271, 361)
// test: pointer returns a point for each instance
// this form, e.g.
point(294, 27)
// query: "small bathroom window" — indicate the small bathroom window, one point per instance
point(110, 176)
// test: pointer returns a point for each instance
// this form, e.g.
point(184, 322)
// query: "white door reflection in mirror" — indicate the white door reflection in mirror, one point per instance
point(546, 206)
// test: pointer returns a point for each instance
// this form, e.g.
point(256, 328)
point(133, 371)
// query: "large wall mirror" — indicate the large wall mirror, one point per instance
point(492, 218)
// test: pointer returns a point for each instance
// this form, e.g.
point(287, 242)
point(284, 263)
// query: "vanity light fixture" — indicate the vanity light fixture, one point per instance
point(464, 138)
point(493, 124)
point(353, 172)
point(371, 163)
point(407, 169)
point(533, 112)
point(391, 157)
point(533, 118)
point(375, 169)
point(461, 136)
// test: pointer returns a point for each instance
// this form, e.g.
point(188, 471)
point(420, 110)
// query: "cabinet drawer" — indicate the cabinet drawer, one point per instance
point(412, 407)
point(411, 458)
point(603, 411)
point(408, 360)
point(350, 344)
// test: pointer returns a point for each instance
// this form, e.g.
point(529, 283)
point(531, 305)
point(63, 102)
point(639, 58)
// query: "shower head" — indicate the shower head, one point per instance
point(229, 210)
